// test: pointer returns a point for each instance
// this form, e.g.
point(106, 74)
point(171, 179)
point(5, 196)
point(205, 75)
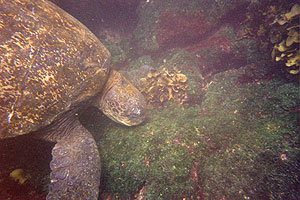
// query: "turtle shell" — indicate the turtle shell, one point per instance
point(49, 61)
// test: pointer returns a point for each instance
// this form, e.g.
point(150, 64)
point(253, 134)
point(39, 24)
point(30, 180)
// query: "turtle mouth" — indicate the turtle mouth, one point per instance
point(129, 109)
point(130, 115)
point(135, 117)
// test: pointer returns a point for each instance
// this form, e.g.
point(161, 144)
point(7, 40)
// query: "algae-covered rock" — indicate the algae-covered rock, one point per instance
point(141, 61)
point(177, 61)
point(254, 127)
point(223, 50)
point(136, 75)
point(287, 51)
point(170, 23)
point(241, 143)
point(163, 86)
point(275, 27)
point(153, 154)
point(187, 63)
point(119, 50)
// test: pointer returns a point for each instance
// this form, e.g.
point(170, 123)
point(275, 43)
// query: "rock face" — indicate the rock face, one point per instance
point(206, 29)
point(170, 24)
point(232, 146)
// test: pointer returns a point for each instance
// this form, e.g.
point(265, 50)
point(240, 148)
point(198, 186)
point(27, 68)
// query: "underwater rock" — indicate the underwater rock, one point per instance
point(230, 147)
point(162, 86)
point(223, 51)
point(287, 50)
point(188, 64)
point(136, 75)
point(284, 18)
point(274, 25)
point(170, 24)
point(141, 61)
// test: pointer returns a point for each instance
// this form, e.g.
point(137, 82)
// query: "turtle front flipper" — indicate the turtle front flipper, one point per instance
point(75, 166)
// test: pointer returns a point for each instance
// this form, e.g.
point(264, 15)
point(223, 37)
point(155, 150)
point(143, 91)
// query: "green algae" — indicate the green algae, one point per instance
point(127, 156)
point(119, 51)
point(235, 139)
point(249, 160)
point(141, 61)
point(150, 14)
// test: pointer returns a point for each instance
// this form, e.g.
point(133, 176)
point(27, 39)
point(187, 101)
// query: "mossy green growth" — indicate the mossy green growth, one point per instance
point(248, 50)
point(243, 142)
point(152, 154)
point(119, 51)
point(141, 61)
point(148, 21)
point(253, 130)
point(151, 13)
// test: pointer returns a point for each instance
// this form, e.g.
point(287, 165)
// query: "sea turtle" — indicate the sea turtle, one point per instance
point(52, 68)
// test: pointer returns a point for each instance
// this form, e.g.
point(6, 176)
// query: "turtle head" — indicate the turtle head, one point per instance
point(121, 101)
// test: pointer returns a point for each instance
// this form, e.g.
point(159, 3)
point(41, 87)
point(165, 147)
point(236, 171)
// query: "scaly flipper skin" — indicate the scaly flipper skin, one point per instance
point(75, 166)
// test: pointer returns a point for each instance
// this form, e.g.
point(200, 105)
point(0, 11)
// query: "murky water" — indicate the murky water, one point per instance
point(221, 82)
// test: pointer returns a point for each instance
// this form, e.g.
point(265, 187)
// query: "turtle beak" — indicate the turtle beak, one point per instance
point(137, 115)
